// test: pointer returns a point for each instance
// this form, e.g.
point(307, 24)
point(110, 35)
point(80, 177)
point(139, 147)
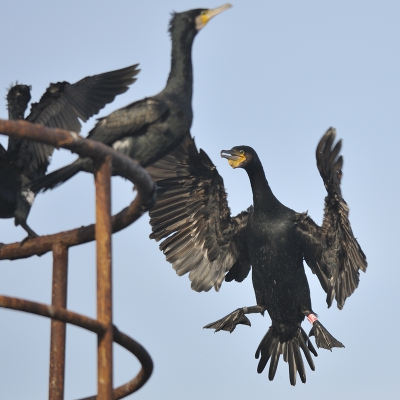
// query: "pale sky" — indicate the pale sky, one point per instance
point(274, 75)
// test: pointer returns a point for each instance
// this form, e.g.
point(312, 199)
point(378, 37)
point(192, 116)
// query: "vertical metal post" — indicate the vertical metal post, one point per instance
point(58, 328)
point(104, 286)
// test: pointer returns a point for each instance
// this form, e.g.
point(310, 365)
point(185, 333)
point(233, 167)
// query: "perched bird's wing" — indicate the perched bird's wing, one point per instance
point(5, 192)
point(131, 120)
point(63, 104)
point(331, 251)
point(192, 218)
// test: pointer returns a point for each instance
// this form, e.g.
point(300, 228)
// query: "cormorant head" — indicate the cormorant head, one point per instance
point(18, 98)
point(194, 20)
point(241, 157)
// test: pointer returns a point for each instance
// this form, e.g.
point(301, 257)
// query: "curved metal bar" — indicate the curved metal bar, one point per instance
point(144, 358)
point(144, 374)
point(58, 313)
point(84, 234)
point(123, 165)
point(61, 314)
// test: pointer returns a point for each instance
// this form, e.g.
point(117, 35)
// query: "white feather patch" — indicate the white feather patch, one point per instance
point(122, 146)
point(28, 195)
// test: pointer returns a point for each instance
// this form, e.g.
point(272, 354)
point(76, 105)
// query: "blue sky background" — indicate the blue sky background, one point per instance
point(270, 74)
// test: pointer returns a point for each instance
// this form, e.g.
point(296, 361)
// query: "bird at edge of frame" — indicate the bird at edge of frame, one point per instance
point(148, 129)
point(199, 236)
point(61, 106)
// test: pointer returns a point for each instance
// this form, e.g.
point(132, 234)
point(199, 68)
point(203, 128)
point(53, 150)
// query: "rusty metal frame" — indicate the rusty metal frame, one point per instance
point(106, 160)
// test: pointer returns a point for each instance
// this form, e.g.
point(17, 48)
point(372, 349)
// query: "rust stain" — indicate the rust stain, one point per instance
point(106, 159)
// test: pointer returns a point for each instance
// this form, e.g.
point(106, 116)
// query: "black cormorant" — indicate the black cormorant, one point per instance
point(61, 106)
point(200, 237)
point(148, 129)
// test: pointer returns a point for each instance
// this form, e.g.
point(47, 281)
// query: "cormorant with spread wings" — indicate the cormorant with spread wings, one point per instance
point(61, 106)
point(200, 237)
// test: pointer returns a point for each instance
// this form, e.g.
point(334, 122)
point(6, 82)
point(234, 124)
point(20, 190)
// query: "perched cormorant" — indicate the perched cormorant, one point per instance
point(199, 236)
point(148, 129)
point(61, 106)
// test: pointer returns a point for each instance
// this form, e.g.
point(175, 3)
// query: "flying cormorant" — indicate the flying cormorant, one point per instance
point(61, 106)
point(148, 129)
point(199, 236)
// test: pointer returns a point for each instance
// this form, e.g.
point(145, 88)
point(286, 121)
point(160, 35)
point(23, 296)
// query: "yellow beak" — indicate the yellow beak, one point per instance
point(202, 19)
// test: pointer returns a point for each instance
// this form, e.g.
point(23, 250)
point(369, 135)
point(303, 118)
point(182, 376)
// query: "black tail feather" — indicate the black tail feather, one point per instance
point(309, 344)
point(56, 178)
point(272, 346)
point(267, 343)
point(292, 364)
point(306, 345)
point(276, 353)
point(285, 351)
point(298, 361)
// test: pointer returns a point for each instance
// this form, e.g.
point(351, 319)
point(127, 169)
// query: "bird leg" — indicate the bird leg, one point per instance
point(322, 337)
point(31, 233)
point(29, 237)
point(229, 322)
point(24, 203)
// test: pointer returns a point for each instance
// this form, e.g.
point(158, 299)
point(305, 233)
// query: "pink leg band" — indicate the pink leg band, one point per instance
point(312, 318)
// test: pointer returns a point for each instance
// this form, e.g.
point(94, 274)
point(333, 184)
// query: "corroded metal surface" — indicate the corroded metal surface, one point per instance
point(106, 160)
point(94, 326)
point(104, 283)
point(58, 328)
point(57, 313)
point(143, 375)
point(122, 165)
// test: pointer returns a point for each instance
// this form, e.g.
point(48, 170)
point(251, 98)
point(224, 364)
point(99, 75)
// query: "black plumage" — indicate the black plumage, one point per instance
point(148, 129)
point(200, 237)
point(61, 106)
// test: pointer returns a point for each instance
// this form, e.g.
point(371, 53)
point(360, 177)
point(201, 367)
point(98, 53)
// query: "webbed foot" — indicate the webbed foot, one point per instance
point(323, 338)
point(28, 238)
point(31, 234)
point(229, 322)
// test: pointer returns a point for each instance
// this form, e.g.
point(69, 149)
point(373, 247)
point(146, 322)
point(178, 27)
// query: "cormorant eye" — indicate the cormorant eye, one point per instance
point(241, 151)
point(203, 12)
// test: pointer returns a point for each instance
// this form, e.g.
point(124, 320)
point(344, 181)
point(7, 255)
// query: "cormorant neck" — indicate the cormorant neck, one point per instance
point(180, 78)
point(15, 112)
point(263, 199)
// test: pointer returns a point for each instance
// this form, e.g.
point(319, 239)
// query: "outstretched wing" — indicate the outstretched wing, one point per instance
point(192, 218)
point(332, 251)
point(63, 104)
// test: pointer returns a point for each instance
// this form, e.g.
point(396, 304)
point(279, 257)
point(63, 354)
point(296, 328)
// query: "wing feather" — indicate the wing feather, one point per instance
point(331, 251)
point(63, 104)
point(129, 121)
point(192, 219)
